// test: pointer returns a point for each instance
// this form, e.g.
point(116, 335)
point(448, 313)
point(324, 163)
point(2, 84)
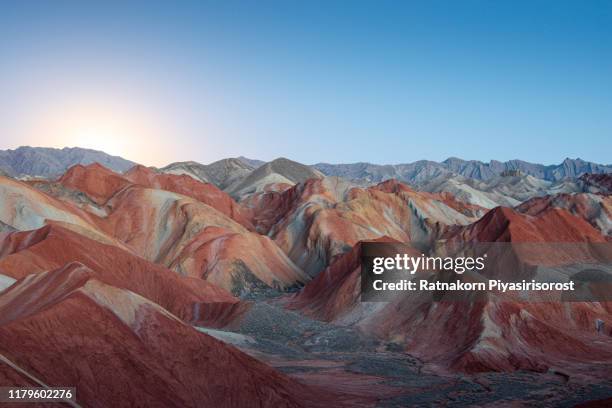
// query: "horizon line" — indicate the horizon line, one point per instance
point(313, 164)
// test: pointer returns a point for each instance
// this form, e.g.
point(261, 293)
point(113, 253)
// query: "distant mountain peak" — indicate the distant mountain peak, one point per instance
point(221, 173)
point(52, 162)
point(251, 162)
point(280, 170)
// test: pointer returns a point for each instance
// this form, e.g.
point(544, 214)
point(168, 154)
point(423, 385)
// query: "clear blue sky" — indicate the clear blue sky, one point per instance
point(334, 81)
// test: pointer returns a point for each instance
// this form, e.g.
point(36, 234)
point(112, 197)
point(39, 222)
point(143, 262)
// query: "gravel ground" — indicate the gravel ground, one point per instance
point(300, 346)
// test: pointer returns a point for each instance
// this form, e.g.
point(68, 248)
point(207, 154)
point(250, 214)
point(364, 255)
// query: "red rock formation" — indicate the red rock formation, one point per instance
point(101, 184)
point(396, 187)
point(496, 332)
point(24, 207)
point(316, 220)
point(269, 207)
point(160, 226)
point(182, 184)
point(238, 262)
point(119, 349)
point(335, 292)
point(95, 180)
point(51, 247)
point(123, 312)
point(156, 224)
point(552, 234)
point(500, 331)
point(196, 240)
point(593, 208)
point(503, 224)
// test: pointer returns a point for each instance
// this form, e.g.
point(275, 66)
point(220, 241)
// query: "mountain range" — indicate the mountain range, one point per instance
point(50, 162)
point(237, 284)
point(423, 170)
point(485, 184)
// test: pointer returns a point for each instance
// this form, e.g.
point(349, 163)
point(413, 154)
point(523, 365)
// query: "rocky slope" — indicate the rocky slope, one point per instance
point(511, 189)
point(53, 246)
point(222, 173)
point(114, 346)
point(505, 190)
point(597, 183)
point(251, 162)
point(495, 332)
point(203, 233)
point(316, 220)
point(596, 209)
point(500, 331)
point(277, 171)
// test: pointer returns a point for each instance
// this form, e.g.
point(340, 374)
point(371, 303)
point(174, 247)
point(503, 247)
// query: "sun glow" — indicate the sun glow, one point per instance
point(114, 128)
point(98, 138)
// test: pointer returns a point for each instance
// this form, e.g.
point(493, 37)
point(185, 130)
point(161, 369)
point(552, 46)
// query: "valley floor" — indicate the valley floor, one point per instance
point(364, 372)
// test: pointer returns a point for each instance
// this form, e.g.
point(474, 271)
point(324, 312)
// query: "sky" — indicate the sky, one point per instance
point(314, 81)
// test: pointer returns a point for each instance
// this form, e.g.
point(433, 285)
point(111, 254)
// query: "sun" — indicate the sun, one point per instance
point(114, 126)
point(99, 138)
